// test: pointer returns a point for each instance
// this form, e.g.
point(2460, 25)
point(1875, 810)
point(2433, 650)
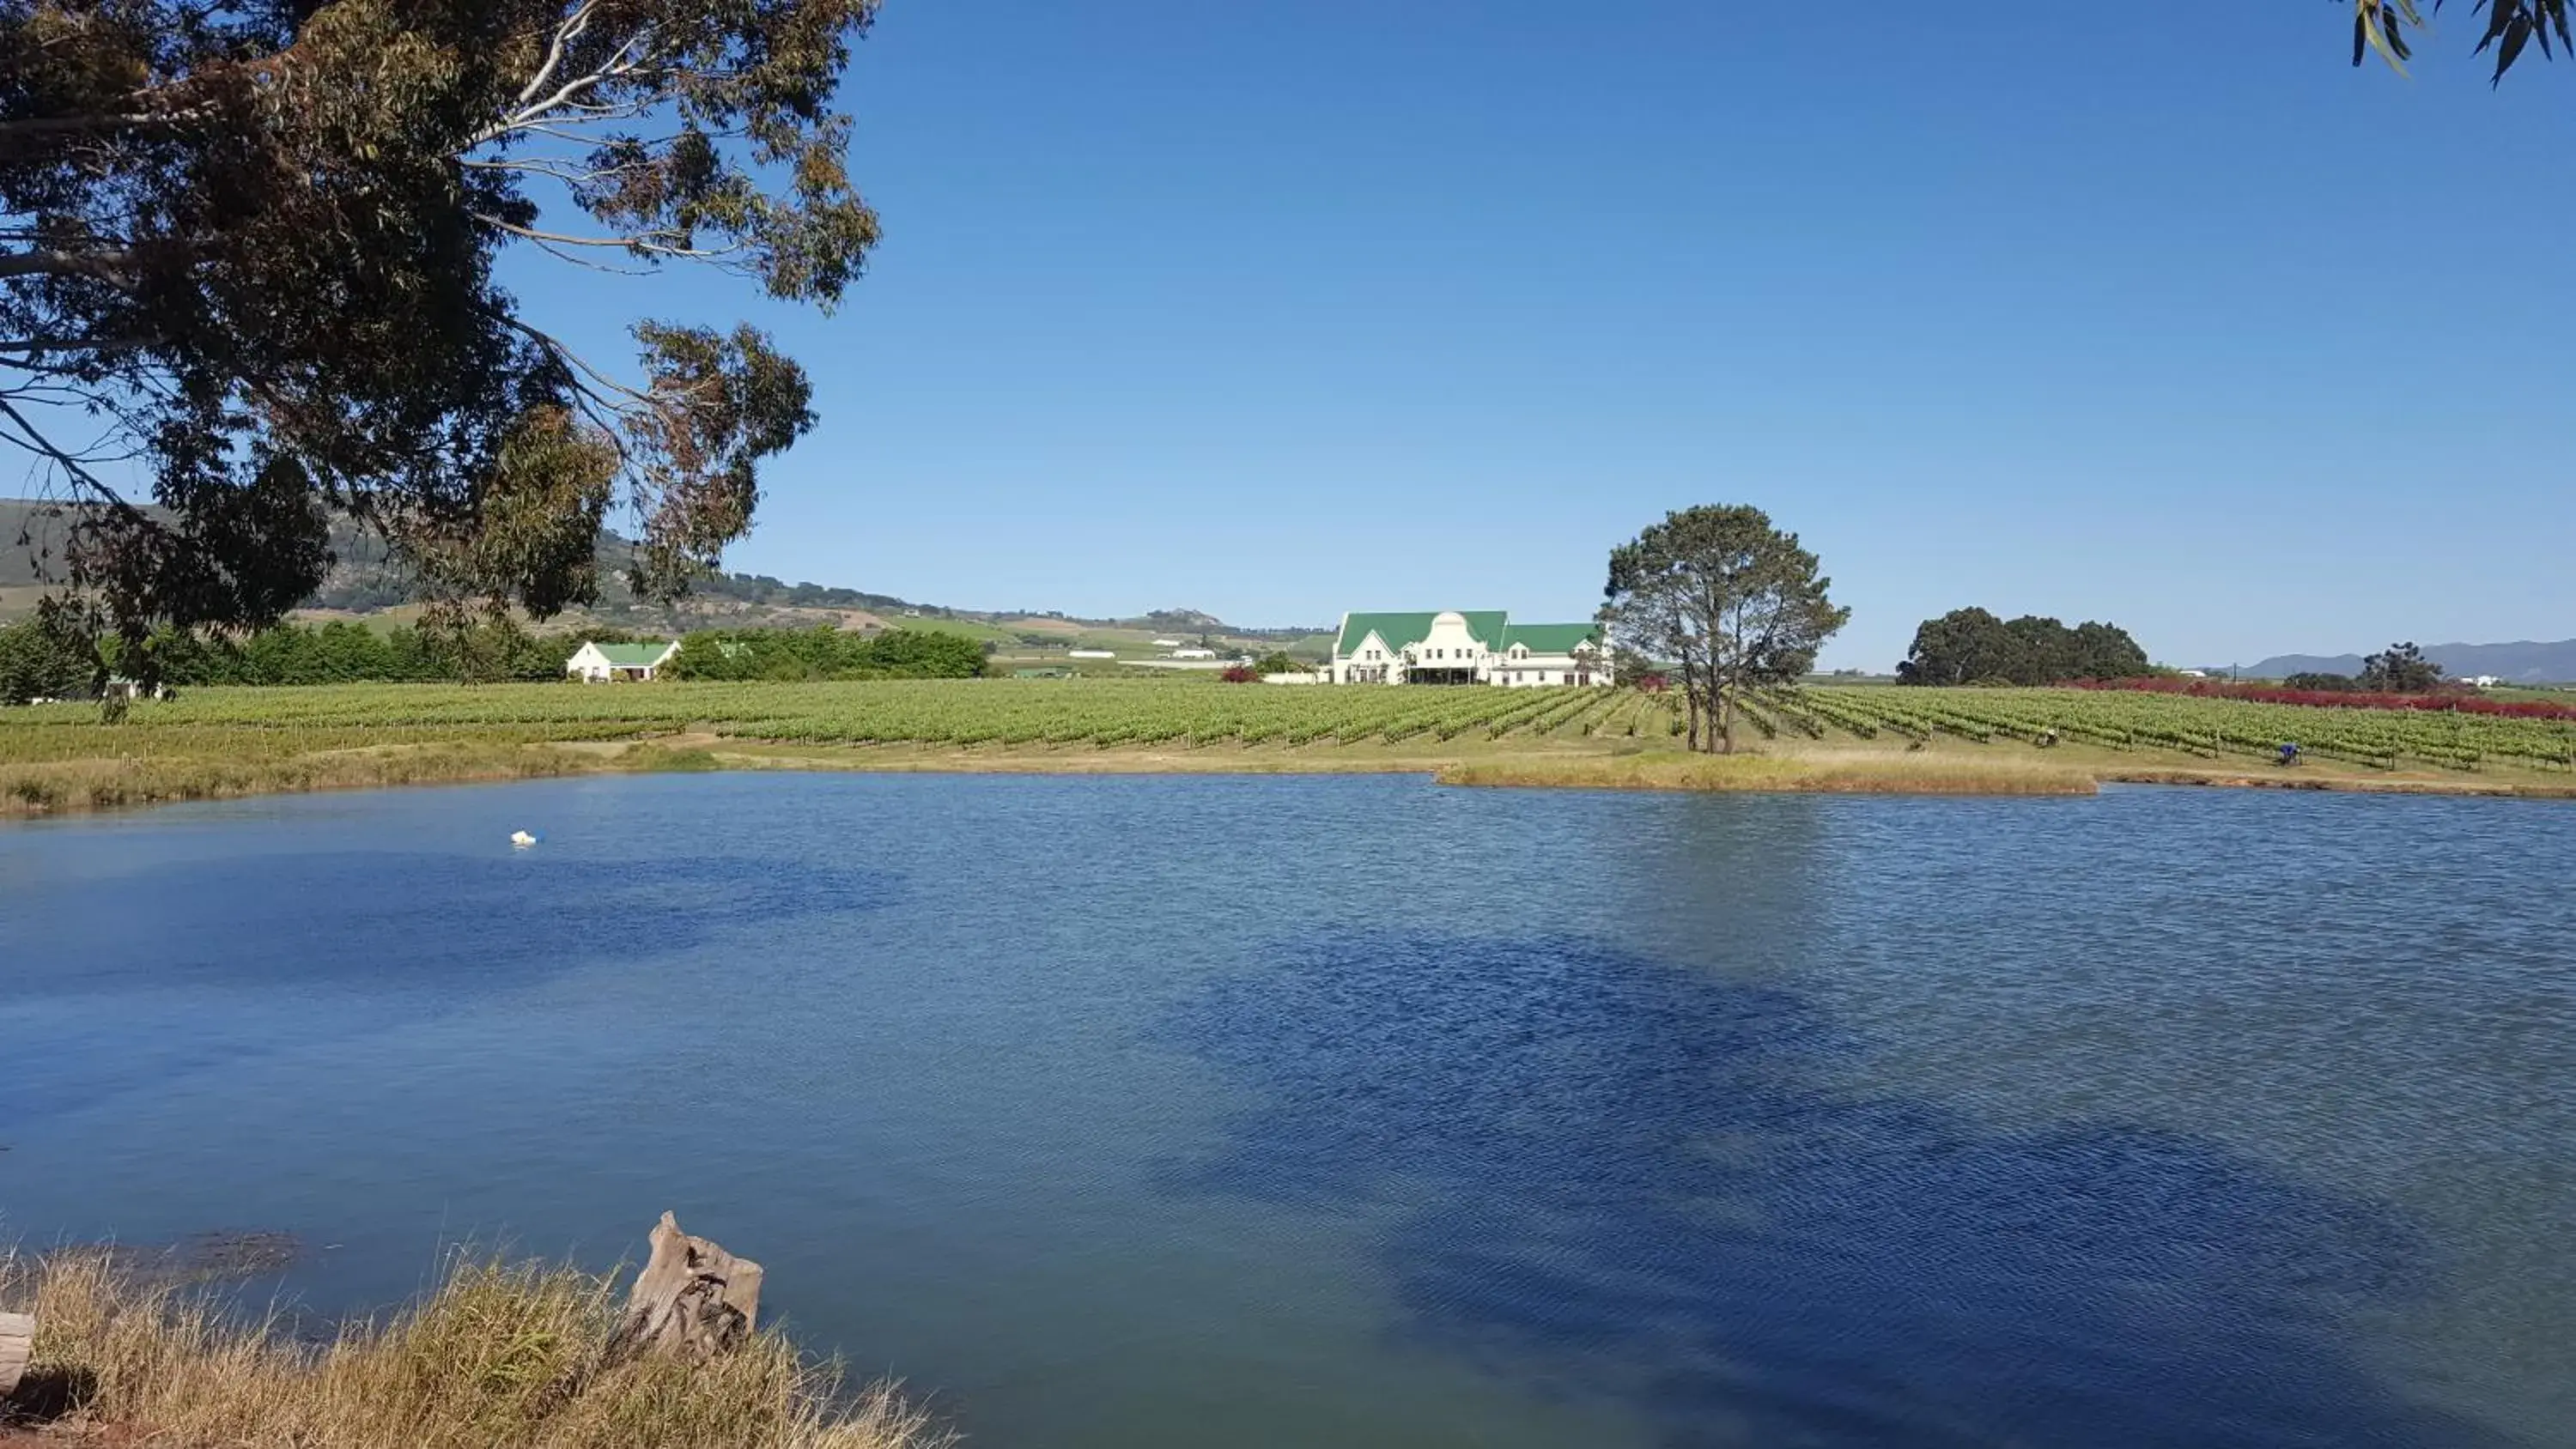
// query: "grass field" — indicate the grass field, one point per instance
point(222, 742)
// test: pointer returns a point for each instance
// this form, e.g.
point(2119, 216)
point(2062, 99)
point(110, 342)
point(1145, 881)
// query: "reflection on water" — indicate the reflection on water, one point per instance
point(1639, 1178)
point(1288, 1112)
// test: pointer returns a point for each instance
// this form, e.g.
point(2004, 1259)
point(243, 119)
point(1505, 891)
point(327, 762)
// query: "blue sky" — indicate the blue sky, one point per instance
point(2155, 314)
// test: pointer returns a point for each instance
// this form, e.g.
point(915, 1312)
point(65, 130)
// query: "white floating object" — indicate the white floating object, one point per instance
point(522, 839)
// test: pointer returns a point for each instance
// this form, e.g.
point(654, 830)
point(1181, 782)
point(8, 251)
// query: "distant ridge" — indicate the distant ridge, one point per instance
point(362, 582)
point(2525, 662)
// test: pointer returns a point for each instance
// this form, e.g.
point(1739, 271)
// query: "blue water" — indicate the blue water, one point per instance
point(1249, 1112)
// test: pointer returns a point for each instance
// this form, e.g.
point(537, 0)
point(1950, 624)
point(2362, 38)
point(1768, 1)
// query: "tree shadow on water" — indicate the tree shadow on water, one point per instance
point(1602, 1174)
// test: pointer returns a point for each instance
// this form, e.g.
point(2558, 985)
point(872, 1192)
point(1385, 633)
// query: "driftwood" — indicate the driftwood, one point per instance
point(17, 1341)
point(693, 1300)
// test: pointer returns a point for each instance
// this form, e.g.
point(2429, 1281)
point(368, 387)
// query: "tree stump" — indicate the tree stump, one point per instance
point(17, 1343)
point(693, 1300)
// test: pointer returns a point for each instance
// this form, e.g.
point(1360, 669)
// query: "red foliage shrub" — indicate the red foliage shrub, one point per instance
point(2442, 700)
point(1241, 674)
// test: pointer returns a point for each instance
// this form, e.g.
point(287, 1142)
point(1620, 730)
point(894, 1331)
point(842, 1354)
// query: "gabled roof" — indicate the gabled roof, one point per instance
point(1551, 638)
point(1402, 631)
point(634, 656)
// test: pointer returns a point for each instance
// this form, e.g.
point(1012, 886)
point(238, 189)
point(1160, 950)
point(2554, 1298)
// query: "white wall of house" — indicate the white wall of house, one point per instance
point(1369, 662)
point(1450, 646)
point(1522, 669)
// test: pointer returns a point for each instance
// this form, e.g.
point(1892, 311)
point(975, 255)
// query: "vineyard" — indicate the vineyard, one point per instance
point(1069, 713)
point(1092, 714)
point(2205, 728)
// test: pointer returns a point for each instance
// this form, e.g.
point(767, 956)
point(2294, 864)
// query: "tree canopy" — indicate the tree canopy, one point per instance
point(824, 652)
point(1973, 646)
point(2400, 669)
point(1736, 602)
point(38, 661)
point(2384, 26)
point(248, 255)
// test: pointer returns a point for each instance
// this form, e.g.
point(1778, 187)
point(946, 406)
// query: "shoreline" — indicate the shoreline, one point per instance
point(53, 790)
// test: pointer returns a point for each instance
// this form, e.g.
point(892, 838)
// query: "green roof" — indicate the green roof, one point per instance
point(1491, 628)
point(1402, 631)
point(1551, 638)
point(633, 656)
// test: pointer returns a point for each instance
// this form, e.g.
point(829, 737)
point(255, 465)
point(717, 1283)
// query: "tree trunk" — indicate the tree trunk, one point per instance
point(1721, 721)
point(693, 1300)
point(17, 1344)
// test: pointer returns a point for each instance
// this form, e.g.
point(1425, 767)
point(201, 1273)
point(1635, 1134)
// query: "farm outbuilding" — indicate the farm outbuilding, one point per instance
point(596, 663)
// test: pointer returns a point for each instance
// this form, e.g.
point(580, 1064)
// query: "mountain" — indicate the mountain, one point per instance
point(2520, 663)
point(363, 581)
point(31, 540)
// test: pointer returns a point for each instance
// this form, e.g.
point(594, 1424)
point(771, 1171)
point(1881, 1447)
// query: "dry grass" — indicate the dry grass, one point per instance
point(1850, 773)
point(53, 787)
point(499, 1354)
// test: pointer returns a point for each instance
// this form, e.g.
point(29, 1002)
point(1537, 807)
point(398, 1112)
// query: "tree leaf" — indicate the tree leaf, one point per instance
point(2516, 36)
point(2372, 30)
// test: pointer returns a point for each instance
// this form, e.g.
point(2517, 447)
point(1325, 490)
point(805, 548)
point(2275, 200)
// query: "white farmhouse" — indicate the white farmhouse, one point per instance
point(595, 663)
point(1193, 652)
point(1466, 647)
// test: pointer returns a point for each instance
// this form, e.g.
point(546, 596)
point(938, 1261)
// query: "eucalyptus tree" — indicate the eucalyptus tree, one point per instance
point(2383, 27)
point(248, 264)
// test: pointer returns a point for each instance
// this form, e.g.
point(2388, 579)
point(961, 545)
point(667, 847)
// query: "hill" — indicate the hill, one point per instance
point(2524, 662)
point(30, 543)
point(364, 583)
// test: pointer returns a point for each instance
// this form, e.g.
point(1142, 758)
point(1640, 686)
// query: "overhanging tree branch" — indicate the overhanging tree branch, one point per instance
point(271, 273)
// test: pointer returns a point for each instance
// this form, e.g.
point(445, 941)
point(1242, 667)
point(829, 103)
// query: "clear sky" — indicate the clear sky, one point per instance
point(2155, 314)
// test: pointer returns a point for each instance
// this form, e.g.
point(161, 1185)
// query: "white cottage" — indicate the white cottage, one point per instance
point(1466, 647)
point(596, 663)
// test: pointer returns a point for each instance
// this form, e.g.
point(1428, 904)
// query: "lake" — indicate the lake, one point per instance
point(1357, 1111)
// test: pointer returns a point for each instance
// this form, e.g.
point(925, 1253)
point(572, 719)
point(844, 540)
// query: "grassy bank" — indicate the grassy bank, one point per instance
point(55, 787)
point(496, 1355)
point(220, 743)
